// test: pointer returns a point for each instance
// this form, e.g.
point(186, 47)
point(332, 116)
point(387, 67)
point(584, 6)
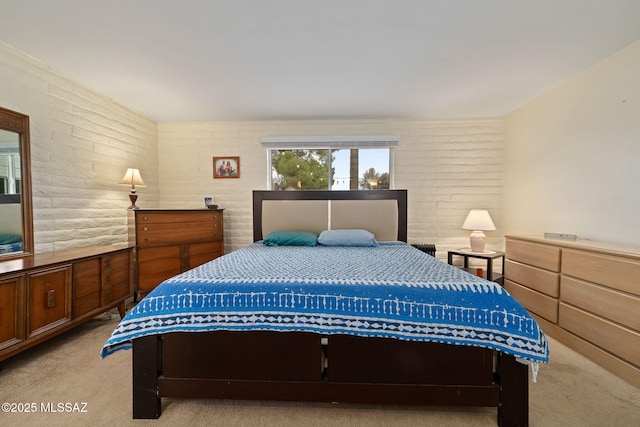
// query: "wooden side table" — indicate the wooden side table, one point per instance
point(489, 256)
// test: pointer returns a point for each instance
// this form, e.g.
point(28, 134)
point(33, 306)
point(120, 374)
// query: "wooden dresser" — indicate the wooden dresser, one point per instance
point(585, 294)
point(170, 241)
point(46, 294)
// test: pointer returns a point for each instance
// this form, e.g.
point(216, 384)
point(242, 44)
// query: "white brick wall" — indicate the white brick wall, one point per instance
point(81, 145)
point(448, 167)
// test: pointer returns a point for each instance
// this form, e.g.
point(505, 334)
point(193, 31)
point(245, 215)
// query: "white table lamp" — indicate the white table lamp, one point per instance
point(478, 221)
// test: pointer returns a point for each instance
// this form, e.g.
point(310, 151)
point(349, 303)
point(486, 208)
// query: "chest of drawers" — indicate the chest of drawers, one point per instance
point(585, 294)
point(46, 294)
point(170, 241)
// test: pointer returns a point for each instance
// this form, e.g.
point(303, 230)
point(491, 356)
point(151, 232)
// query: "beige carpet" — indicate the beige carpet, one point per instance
point(571, 391)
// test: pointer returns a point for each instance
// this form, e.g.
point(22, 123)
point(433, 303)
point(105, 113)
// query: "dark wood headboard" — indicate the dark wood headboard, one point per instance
point(399, 196)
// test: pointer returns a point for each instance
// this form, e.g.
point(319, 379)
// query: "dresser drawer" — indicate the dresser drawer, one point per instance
point(535, 302)
point(199, 253)
point(538, 255)
point(617, 306)
point(86, 277)
point(179, 232)
point(616, 339)
point(85, 304)
point(117, 277)
point(156, 265)
point(541, 280)
point(158, 255)
point(11, 311)
point(615, 272)
point(48, 299)
point(164, 217)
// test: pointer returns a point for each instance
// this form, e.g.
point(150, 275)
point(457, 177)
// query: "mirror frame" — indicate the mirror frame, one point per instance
point(16, 122)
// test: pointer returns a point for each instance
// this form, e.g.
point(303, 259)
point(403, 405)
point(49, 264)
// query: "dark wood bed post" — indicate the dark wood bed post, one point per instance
point(513, 378)
point(146, 369)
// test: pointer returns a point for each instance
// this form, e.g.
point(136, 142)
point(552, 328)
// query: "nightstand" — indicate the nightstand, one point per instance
point(489, 256)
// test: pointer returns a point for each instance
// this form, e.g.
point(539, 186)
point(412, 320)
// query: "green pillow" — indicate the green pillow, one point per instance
point(291, 238)
point(6, 238)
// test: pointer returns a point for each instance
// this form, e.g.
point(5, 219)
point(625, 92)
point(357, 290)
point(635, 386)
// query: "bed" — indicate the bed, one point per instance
point(341, 322)
point(10, 243)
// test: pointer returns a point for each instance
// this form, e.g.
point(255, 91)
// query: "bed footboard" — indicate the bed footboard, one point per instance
point(451, 375)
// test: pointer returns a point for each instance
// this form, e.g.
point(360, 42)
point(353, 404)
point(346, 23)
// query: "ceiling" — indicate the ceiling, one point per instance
point(208, 60)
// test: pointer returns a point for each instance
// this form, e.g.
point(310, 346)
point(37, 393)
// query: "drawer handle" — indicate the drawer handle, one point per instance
point(51, 298)
point(146, 218)
point(145, 229)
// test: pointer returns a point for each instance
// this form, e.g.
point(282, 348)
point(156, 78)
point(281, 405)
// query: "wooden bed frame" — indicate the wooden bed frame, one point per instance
point(307, 367)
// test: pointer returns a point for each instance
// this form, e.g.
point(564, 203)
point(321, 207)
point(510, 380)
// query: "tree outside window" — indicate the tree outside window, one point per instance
point(325, 169)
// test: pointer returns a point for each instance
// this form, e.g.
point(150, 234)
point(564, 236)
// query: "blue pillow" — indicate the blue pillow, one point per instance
point(291, 238)
point(347, 238)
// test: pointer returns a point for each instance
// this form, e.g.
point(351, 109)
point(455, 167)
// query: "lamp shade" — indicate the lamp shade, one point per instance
point(478, 219)
point(132, 177)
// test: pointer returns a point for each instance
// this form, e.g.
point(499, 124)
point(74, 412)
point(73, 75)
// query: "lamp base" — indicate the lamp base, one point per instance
point(133, 197)
point(477, 240)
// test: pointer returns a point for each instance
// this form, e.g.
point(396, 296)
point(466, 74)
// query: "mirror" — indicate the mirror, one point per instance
point(16, 218)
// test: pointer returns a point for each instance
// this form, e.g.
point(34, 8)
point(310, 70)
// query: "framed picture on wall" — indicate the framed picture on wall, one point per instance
point(226, 167)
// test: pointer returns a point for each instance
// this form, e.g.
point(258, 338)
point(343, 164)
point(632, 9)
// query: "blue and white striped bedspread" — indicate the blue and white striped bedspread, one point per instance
point(392, 290)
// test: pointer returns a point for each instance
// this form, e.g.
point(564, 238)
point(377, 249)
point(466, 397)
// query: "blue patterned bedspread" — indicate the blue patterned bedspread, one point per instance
point(392, 290)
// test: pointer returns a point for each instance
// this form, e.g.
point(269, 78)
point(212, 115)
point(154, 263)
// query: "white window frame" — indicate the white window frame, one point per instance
point(330, 143)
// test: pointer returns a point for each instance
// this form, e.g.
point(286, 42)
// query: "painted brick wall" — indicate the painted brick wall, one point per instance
point(81, 145)
point(448, 167)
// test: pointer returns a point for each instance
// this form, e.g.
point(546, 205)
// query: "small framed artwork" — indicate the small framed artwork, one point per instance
point(226, 167)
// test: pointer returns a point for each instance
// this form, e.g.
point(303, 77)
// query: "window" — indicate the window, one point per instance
point(330, 163)
point(9, 173)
